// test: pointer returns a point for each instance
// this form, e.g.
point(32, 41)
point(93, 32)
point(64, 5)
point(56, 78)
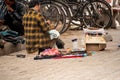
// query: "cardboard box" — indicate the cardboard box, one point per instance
point(94, 39)
point(95, 47)
point(95, 43)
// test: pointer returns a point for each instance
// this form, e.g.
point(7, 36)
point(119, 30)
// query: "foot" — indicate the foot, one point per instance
point(37, 57)
point(119, 45)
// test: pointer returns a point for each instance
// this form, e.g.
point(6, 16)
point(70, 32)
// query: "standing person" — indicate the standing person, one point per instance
point(114, 4)
point(11, 11)
point(36, 29)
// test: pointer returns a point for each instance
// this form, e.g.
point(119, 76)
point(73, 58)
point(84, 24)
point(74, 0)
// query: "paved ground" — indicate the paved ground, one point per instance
point(104, 65)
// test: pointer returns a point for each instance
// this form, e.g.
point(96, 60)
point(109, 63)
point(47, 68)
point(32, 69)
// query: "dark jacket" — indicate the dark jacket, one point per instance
point(19, 10)
point(3, 9)
point(14, 19)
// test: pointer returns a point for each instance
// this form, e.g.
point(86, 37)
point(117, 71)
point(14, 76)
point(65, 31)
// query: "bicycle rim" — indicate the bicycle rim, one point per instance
point(55, 14)
point(97, 14)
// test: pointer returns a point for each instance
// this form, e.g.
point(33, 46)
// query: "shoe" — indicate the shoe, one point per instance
point(21, 55)
point(38, 57)
point(119, 45)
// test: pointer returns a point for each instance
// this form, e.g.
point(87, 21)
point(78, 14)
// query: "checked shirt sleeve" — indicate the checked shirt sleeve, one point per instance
point(45, 27)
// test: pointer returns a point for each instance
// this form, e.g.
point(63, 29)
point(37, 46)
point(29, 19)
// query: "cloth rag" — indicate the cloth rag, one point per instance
point(54, 34)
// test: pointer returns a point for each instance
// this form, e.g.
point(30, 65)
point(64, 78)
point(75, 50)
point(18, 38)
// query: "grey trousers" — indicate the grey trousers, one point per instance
point(116, 14)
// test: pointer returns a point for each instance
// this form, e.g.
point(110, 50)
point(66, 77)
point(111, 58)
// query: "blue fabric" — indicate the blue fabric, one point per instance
point(9, 33)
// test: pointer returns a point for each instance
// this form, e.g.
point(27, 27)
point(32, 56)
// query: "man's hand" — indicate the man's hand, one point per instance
point(2, 21)
point(50, 23)
point(10, 9)
point(52, 26)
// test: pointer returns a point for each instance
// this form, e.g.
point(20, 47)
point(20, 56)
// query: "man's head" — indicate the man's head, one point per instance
point(33, 3)
point(10, 2)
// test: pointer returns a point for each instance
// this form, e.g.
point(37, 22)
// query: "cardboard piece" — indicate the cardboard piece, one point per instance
point(95, 43)
point(94, 40)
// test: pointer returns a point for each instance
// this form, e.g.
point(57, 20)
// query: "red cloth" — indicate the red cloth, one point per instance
point(50, 52)
point(67, 56)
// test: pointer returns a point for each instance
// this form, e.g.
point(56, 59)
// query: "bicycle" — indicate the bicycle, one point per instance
point(53, 10)
point(99, 14)
point(88, 12)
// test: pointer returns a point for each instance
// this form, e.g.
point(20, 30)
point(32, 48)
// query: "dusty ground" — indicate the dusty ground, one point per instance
point(104, 65)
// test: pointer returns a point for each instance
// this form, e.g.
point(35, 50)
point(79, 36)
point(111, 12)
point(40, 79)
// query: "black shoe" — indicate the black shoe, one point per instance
point(119, 45)
point(37, 57)
point(21, 55)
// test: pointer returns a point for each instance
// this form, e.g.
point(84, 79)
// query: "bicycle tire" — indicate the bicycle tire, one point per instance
point(75, 7)
point(54, 13)
point(62, 7)
point(89, 19)
point(65, 7)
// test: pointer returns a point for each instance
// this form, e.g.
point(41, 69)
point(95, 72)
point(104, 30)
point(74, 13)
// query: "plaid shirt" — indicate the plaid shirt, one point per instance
point(35, 31)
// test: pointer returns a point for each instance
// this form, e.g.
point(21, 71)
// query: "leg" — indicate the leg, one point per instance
point(53, 43)
point(40, 50)
point(115, 15)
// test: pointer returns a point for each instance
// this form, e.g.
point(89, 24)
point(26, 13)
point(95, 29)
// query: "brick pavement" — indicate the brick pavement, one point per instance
point(104, 65)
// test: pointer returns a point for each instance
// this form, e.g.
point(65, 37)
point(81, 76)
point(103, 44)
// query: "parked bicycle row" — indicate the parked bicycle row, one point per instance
point(83, 13)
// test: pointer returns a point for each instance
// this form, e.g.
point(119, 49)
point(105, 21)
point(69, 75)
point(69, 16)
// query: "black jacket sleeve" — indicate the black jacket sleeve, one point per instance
point(19, 11)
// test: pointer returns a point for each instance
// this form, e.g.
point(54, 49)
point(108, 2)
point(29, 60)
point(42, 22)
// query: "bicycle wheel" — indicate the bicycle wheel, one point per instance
point(55, 14)
point(75, 8)
point(97, 14)
point(66, 9)
point(58, 13)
